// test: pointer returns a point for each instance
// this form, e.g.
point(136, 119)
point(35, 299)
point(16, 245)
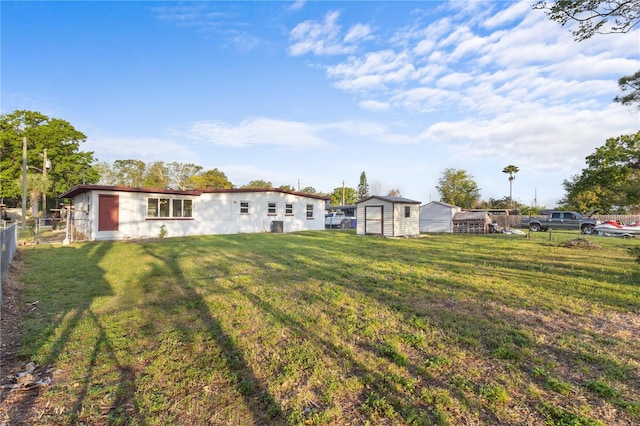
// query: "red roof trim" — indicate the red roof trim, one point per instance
point(80, 189)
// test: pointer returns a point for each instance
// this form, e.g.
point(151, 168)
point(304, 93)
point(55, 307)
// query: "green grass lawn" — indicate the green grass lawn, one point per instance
point(333, 328)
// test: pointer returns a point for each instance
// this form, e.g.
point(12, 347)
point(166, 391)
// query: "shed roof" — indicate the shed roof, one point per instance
point(441, 203)
point(471, 216)
point(389, 199)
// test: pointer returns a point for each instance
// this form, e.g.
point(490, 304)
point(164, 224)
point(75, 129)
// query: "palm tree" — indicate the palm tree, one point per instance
point(511, 170)
point(37, 184)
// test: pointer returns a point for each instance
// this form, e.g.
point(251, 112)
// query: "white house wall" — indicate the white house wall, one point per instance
point(213, 213)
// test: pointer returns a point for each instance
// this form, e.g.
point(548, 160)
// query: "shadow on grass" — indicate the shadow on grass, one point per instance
point(381, 389)
point(474, 319)
point(292, 281)
point(68, 280)
point(261, 406)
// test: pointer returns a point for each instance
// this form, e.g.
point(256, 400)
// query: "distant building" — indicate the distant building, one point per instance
point(471, 222)
point(437, 216)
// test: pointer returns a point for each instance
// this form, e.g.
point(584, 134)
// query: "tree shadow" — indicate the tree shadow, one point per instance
point(262, 407)
point(64, 312)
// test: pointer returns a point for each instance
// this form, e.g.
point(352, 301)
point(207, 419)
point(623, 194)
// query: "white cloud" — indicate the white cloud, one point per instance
point(146, 149)
point(375, 71)
point(358, 32)
point(540, 138)
point(454, 80)
point(507, 16)
point(257, 131)
point(454, 60)
point(319, 38)
point(297, 5)
point(373, 105)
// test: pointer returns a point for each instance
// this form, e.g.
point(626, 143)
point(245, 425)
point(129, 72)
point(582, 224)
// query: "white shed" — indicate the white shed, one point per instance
point(387, 216)
point(437, 216)
point(115, 213)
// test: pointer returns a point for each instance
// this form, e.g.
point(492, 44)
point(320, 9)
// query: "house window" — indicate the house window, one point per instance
point(182, 208)
point(407, 211)
point(244, 207)
point(288, 209)
point(152, 207)
point(309, 211)
point(271, 209)
point(165, 207)
point(187, 208)
point(177, 208)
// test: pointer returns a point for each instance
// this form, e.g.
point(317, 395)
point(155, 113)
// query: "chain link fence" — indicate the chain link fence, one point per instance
point(9, 246)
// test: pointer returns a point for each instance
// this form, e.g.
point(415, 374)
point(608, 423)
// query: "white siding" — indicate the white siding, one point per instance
point(394, 222)
point(361, 217)
point(437, 217)
point(406, 226)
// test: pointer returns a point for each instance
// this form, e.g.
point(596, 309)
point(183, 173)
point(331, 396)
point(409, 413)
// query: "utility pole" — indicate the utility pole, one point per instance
point(44, 175)
point(24, 182)
point(343, 193)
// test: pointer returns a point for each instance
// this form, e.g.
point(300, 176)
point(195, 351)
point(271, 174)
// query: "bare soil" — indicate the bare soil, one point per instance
point(15, 404)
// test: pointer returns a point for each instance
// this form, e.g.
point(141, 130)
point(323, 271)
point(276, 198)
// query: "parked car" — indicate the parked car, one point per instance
point(564, 220)
point(337, 220)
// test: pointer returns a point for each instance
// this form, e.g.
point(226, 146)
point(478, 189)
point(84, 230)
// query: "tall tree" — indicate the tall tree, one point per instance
point(106, 173)
point(631, 85)
point(211, 179)
point(394, 192)
point(376, 188)
point(181, 173)
point(459, 188)
point(129, 172)
point(69, 165)
point(37, 184)
point(599, 17)
point(343, 195)
point(511, 170)
point(363, 186)
point(611, 179)
point(593, 16)
point(258, 184)
point(156, 175)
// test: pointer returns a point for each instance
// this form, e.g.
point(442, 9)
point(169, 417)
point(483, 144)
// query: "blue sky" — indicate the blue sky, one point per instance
point(313, 93)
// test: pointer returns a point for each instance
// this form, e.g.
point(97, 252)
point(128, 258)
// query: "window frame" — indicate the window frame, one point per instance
point(244, 207)
point(272, 208)
point(288, 209)
point(309, 212)
point(164, 208)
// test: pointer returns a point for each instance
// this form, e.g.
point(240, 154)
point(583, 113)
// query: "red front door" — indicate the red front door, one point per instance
point(108, 212)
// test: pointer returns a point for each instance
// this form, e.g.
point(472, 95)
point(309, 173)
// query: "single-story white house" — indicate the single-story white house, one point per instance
point(115, 213)
point(437, 216)
point(387, 216)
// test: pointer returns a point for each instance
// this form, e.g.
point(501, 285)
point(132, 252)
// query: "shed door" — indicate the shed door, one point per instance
point(373, 220)
point(108, 212)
